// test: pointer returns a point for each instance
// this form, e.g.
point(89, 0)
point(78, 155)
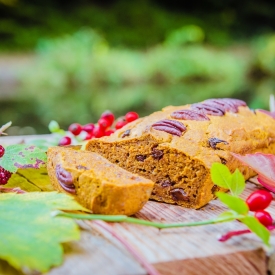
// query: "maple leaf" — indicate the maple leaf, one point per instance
point(264, 165)
point(22, 156)
point(31, 235)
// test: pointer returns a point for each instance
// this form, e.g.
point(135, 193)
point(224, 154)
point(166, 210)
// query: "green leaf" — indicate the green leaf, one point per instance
point(21, 182)
point(40, 143)
point(54, 126)
point(30, 235)
point(234, 203)
point(238, 183)
point(255, 226)
point(221, 175)
point(37, 177)
point(22, 156)
point(31, 180)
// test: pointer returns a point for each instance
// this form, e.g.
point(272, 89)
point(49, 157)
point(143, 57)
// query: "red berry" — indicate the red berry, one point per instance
point(89, 135)
point(2, 151)
point(98, 132)
point(109, 116)
point(88, 128)
point(109, 132)
point(75, 128)
point(65, 141)
point(264, 217)
point(120, 124)
point(4, 176)
point(259, 200)
point(104, 123)
point(131, 116)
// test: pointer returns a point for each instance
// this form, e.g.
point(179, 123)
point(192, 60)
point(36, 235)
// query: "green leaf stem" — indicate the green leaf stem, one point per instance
point(123, 218)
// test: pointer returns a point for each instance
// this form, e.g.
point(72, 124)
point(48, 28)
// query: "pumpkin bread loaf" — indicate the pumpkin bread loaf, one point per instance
point(96, 183)
point(176, 147)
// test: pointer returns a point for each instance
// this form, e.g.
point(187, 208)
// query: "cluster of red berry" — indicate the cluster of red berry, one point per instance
point(105, 126)
point(4, 174)
point(257, 202)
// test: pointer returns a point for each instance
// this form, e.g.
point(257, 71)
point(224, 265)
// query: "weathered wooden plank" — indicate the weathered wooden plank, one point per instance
point(240, 263)
point(193, 250)
point(96, 254)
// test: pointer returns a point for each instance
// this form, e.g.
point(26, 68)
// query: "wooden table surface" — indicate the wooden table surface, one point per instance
point(190, 251)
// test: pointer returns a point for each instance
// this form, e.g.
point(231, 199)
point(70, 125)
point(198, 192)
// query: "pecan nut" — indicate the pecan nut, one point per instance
point(224, 105)
point(236, 102)
point(189, 115)
point(207, 109)
point(170, 126)
point(65, 179)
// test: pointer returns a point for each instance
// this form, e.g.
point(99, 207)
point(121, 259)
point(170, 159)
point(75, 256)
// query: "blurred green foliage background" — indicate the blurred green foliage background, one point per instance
point(89, 56)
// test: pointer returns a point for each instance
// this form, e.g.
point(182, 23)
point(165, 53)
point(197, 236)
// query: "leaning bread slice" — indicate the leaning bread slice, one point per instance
point(96, 183)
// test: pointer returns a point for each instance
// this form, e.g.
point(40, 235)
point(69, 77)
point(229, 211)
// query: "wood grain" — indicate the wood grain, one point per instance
point(192, 251)
point(239, 263)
